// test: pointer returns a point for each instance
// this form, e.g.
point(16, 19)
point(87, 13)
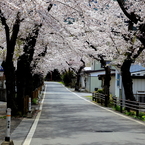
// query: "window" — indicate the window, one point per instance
point(118, 80)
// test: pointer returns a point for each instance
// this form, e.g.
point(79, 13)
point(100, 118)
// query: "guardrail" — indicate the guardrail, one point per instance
point(122, 103)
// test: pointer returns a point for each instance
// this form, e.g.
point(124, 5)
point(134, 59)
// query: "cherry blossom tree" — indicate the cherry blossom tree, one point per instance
point(115, 28)
point(123, 23)
point(132, 15)
point(134, 11)
point(12, 14)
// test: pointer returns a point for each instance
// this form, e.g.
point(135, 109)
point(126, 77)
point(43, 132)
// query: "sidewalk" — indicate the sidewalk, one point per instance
point(2, 121)
point(14, 122)
point(17, 125)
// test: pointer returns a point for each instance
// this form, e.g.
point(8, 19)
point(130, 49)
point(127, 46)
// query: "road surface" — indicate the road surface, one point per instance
point(69, 119)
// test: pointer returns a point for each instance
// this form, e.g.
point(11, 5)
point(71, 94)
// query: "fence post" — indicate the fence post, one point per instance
point(115, 102)
point(121, 105)
point(102, 100)
point(95, 99)
point(93, 94)
point(137, 109)
point(127, 105)
point(106, 101)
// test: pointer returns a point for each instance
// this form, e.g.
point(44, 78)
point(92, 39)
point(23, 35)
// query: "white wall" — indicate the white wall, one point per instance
point(88, 83)
point(138, 85)
point(92, 83)
point(117, 86)
point(82, 82)
point(112, 85)
point(96, 65)
point(95, 83)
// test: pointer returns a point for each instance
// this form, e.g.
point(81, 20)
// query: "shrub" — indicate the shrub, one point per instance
point(35, 101)
point(100, 91)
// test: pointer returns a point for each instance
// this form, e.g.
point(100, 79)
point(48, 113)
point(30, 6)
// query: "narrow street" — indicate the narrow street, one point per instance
point(69, 119)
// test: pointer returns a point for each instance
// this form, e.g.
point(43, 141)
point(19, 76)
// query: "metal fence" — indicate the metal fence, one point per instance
point(122, 103)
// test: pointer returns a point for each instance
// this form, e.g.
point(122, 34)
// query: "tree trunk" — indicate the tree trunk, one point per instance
point(77, 84)
point(127, 80)
point(8, 65)
point(107, 79)
point(9, 72)
point(24, 70)
point(23, 86)
point(107, 82)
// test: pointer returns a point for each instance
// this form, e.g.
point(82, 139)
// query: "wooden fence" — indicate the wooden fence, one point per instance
point(127, 104)
point(35, 95)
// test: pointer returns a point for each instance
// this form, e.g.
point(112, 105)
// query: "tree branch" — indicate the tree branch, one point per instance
point(132, 17)
point(92, 46)
point(138, 52)
point(49, 7)
point(6, 27)
point(15, 32)
point(71, 67)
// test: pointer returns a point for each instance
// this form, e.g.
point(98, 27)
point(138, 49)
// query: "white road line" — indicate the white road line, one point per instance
point(61, 93)
point(139, 122)
point(28, 139)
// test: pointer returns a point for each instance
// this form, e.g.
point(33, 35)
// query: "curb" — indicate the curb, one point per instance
point(7, 143)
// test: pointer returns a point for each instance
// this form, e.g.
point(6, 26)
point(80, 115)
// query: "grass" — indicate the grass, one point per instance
point(61, 83)
point(141, 116)
point(88, 96)
point(117, 108)
point(35, 101)
point(2, 117)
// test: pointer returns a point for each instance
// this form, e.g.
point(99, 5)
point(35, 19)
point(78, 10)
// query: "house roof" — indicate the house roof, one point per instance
point(112, 74)
point(136, 68)
point(87, 68)
point(95, 71)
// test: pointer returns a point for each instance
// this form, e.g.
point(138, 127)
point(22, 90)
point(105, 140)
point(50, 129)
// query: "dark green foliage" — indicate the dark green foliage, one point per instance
point(100, 91)
point(37, 80)
point(67, 78)
point(48, 77)
point(56, 75)
point(117, 108)
point(35, 101)
point(53, 76)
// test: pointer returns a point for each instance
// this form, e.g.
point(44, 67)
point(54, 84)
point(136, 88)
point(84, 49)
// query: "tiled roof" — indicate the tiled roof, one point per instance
point(136, 68)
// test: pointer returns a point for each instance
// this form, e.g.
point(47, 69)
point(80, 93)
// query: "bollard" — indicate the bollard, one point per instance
point(29, 104)
point(29, 114)
point(7, 138)
point(8, 127)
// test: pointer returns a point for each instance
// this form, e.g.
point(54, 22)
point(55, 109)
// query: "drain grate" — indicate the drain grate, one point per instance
point(103, 131)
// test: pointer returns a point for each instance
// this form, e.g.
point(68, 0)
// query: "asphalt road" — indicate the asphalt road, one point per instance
point(68, 118)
